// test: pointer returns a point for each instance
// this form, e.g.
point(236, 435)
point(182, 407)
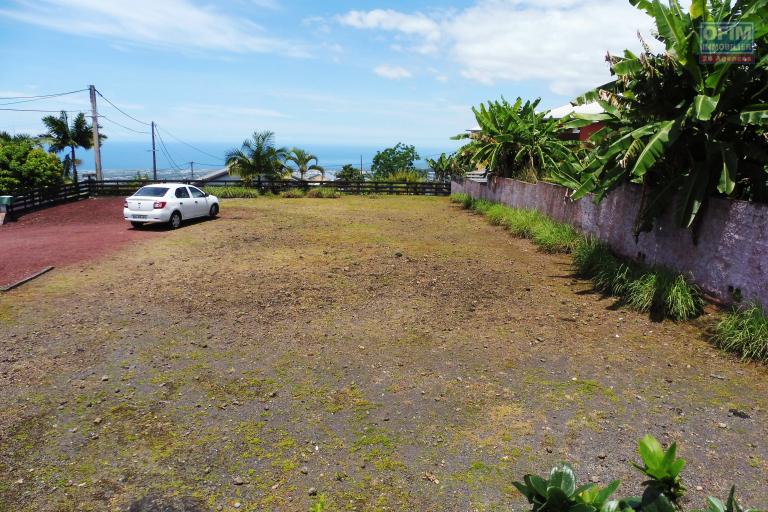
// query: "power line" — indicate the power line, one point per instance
point(121, 110)
point(189, 145)
point(39, 97)
point(38, 110)
point(122, 125)
point(166, 152)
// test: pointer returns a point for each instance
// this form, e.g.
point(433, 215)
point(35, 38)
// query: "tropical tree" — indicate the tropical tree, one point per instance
point(257, 156)
point(401, 157)
point(63, 136)
point(24, 164)
point(350, 173)
point(303, 163)
point(682, 127)
point(445, 166)
point(517, 141)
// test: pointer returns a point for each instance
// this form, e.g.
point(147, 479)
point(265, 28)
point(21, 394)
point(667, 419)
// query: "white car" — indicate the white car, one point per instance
point(169, 202)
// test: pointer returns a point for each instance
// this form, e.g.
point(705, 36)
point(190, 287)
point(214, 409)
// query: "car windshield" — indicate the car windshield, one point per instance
point(151, 191)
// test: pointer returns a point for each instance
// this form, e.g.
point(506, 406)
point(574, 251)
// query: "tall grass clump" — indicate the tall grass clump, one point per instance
point(481, 205)
point(496, 214)
point(324, 193)
point(666, 294)
point(293, 193)
point(227, 192)
point(744, 331)
point(554, 236)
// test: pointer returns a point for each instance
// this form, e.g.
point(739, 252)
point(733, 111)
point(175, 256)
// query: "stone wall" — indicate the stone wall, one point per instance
point(728, 257)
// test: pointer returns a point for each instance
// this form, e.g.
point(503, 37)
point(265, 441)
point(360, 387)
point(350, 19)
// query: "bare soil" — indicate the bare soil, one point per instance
point(391, 353)
point(65, 234)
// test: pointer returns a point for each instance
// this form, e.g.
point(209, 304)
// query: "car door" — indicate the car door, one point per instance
point(200, 201)
point(186, 206)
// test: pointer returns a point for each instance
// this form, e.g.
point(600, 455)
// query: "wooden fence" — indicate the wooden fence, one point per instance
point(128, 187)
point(29, 200)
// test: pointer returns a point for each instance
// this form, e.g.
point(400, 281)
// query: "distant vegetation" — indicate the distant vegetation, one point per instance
point(258, 157)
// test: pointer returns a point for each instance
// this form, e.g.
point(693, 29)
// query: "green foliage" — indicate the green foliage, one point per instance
point(516, 141)
point(407, 176)
point(744, 331)
point(662, 467)
point(657, 290)
point(319, 505)
point(302, 163)
point(293, 193)
point(387, 162)
point(228, 192)
point(350, 173)
point(446, 167)
point(663, 490)
point(559, 493)
point(323, 193)
point(681, 128)
point(25, 165)
point(554, 237)
point(62, 136)
point(258, 156)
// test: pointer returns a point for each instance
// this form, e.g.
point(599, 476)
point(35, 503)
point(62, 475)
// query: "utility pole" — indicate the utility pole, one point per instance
point(361, 164)
point(192, 170)
point(154, 158)
point(96, 141)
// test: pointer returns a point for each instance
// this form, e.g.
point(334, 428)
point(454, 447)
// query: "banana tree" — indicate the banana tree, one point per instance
point(516, 140)
point(683, 128)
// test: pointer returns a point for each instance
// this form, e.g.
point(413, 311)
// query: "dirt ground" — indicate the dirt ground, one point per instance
point(65, 234)
point(392, 353)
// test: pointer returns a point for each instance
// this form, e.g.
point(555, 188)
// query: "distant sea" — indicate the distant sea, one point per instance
point(126, 159)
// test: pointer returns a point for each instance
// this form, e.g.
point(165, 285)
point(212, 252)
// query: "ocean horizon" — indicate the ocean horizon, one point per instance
point(122, 159)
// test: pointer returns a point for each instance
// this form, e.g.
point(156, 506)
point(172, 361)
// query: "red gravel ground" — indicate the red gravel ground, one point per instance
point(65, 234)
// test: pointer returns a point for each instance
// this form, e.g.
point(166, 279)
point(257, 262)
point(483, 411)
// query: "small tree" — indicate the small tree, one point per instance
point(62, 136)
point(258, 156)
point(401, 157)
point(350, 173)
point(303, 163)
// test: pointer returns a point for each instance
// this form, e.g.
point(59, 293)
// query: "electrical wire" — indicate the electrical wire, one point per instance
point(38, 110)
point(24, 99)
point(121, 110)
point(166, 152)
point(189, 145)
point(122, 125)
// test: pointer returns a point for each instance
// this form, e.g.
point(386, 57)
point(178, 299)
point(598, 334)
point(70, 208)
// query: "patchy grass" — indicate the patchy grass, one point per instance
point(323, 193)
point(744, 331)
point(230, 192)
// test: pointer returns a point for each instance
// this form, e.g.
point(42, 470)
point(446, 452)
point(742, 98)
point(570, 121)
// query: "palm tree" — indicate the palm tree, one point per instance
point(62, 136)
point(303, 161)
point(258, 156)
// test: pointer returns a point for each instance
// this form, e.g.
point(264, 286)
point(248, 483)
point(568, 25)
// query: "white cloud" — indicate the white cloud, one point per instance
point(172, 24)
point(561, 42)
point(392, 72)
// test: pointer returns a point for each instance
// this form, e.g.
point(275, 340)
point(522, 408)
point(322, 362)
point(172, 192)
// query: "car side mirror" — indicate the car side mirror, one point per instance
point(207, 194)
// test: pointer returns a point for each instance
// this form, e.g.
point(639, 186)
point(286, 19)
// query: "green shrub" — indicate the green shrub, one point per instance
point(554, 236)
point(228, 192)
point(682, 300)
point(496, 214)
point(522, 223)
point(481, 205)
point(293, 193)
point(465, 200)
point(744, 331)
point(323, 193)
point(663, 490)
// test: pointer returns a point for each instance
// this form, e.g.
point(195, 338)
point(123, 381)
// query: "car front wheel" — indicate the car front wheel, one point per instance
point(175, 221)
point(214, 211)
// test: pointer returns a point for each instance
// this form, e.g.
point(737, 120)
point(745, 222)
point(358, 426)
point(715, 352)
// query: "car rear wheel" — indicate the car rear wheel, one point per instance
point(214, 210)
point(175, 221)
point(136, 225)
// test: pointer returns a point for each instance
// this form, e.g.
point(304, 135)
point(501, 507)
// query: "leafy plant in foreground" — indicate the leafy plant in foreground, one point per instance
point(663, 488)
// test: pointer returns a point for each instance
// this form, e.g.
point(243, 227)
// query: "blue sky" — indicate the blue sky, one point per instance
point(359, 73)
